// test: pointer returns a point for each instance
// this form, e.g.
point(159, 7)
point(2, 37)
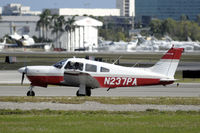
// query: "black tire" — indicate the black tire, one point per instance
point(88, 92)
point(31, 93)
point(79, 95)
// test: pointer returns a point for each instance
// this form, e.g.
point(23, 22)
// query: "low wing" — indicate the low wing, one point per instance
point(39, 44)
point(10, 45)
point(35, 45)
point(76, 78)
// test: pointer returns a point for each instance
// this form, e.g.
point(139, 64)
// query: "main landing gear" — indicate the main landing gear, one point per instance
point(31, 92)
point(87, 92)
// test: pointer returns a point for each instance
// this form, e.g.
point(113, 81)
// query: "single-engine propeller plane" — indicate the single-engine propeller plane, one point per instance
point(88, 74)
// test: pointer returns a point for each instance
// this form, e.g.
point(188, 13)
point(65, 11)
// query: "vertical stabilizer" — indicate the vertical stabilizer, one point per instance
point(168, 63)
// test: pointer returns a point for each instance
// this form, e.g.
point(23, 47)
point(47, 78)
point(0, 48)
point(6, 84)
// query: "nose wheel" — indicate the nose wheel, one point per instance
point(31, 92)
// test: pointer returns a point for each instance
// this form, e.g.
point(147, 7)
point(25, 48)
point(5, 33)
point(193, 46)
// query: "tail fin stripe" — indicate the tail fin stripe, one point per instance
point(173, 53)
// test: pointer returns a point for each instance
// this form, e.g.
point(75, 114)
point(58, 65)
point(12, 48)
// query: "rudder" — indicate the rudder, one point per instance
point(168, 63)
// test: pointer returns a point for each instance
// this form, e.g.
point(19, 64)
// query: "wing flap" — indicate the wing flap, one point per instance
point(76, 77)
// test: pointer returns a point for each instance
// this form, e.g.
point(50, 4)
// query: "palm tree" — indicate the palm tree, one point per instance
point(70, 27)
point(44, 23)
point(57, 25)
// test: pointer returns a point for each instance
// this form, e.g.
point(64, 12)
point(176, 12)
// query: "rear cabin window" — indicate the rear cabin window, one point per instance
point(91, 68)
point(74, 65)
point(103, 69)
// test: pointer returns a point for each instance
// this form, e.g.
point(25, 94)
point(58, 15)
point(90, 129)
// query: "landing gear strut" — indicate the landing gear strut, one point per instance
point(88, 92)
point(31, 92)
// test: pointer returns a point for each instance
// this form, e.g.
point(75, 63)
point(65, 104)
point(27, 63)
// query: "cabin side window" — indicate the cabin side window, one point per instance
point(74, 65)
point(91, 68)
point(103, 69)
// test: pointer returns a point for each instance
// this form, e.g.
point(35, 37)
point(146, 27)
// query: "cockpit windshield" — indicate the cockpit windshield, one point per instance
point(60, 64)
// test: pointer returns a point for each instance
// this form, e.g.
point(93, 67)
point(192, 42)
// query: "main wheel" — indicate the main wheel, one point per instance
point(88, 92)
point(30, 93)
point(78, 94)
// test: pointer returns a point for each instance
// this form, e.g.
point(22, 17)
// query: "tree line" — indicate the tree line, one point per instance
point(177, 30)
point(56, 24)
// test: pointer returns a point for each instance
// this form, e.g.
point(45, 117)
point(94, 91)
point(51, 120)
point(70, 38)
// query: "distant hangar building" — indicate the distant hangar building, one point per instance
point(85, 34)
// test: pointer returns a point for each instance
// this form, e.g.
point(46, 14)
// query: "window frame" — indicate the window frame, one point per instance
point(73, 67)
point(107, 70)
point(90, 69)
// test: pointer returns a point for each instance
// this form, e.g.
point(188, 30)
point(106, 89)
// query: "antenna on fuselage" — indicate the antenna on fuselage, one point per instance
point(136, 64)
point(117, 59)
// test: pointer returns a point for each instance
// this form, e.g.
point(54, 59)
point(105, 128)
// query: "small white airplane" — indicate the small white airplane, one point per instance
point(2, 44)
point(88, 74)
point(24, 40)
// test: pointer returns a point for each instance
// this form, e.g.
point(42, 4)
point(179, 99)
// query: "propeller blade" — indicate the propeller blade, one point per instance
point(22, 78)
point(25, 72)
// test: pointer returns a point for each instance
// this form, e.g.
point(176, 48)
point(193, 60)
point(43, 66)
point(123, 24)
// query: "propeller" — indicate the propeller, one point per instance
point(25, 72)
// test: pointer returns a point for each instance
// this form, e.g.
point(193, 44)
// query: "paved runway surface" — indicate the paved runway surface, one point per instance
point(11, 77)
point(184, 90)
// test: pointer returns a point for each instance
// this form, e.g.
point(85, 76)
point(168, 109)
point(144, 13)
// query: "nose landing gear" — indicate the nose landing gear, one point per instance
point(31, 92)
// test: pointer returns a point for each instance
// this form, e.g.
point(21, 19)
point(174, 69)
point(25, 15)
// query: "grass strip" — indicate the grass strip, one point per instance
point(108, 100)
point(150, 121)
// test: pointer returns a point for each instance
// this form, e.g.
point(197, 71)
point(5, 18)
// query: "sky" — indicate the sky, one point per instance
point(38, 5)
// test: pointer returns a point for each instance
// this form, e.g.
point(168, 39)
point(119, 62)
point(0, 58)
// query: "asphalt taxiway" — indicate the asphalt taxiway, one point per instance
point(12, 79)
point(184, 90)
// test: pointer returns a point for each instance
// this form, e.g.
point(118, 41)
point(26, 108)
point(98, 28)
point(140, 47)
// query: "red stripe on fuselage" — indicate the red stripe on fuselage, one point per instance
point(45, 80)
point(113, 82)
point(104, 82)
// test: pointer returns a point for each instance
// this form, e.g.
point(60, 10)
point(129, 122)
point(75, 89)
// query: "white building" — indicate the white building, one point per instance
point(127, 7)
point(85, 11)
point(18, 9)
point(85, 35)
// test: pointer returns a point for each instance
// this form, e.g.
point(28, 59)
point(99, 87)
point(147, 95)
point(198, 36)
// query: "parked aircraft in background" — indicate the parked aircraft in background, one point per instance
point(117, 46)
point(24, 40)
point(88, 74)
point(27, 41)
point(4, 44)
point(146, 44)
point(153, 44)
